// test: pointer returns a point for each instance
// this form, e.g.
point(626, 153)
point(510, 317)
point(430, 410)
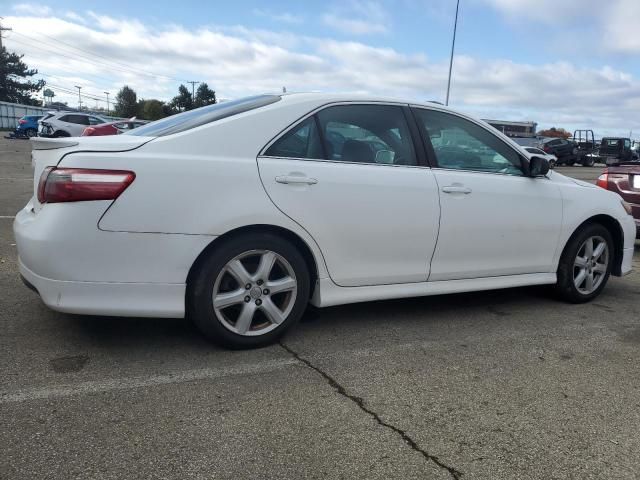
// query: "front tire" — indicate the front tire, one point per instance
point(585, 264)
point(249, 291)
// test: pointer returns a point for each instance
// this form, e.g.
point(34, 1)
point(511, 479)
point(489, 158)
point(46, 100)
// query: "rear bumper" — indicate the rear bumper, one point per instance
point(112, 299)
point(78, 268)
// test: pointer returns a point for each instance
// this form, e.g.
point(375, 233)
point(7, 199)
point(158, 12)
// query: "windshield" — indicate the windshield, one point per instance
point(201, 116)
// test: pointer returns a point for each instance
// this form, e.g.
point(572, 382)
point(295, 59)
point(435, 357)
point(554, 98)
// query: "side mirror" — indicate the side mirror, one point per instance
point(538, 167)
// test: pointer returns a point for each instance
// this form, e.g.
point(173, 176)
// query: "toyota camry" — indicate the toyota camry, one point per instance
point(240, 214)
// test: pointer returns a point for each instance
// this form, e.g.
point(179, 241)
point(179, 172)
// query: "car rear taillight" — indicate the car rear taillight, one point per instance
point(546, 149)
point(82, 184)
point(88, 131)
point(22, 121)
point(603, 180)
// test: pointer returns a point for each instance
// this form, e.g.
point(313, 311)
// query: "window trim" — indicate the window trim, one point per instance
point(419, 153)
point(431, 154)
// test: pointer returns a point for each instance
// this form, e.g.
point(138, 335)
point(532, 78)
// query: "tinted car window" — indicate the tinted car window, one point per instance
point(78, 119)
point(96, 121)
point(464, 145)
point(534, 150)
point(201, 116)
point(302, 141)
point(376, 134)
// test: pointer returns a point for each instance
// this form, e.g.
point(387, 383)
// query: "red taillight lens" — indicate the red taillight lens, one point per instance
point(22, 121)
point(88, 131)
point(82, 184)
point(603, 180)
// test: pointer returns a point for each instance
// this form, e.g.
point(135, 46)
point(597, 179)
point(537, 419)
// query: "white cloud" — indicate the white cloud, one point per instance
point(615, 22)
point(358, 17)
point(237, 61)
point(284, 17)
point(31, 9)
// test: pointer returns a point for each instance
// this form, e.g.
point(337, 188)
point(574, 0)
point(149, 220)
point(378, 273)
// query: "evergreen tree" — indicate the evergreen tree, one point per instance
point(204, 96)
point(126, 103)
point(183, 100)
point(15, 85)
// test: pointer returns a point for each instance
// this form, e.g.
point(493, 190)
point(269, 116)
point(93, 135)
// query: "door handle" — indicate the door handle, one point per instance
point(456, 189)
point(295, 179)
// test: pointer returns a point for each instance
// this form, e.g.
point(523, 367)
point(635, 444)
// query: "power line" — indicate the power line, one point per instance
point(55, 50)
point(193, 92)
point(3, 29)
point(112, 64)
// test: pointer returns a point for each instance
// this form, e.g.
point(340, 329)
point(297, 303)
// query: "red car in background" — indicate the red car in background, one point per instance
point(624, 179)
point(112, 128)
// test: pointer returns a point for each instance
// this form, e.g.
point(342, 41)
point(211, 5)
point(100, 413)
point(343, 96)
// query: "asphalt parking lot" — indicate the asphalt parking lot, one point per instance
point(495, 385)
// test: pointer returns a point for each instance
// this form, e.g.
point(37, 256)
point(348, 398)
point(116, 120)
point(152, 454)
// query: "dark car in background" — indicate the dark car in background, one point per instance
point(27, 126)
point(624, 179)
point(615, 149)
point(565, 151)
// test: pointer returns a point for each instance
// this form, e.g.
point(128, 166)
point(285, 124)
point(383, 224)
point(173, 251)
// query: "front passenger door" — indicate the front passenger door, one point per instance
point(495, 221)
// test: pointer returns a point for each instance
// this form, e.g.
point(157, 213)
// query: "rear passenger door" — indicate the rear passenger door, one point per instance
point(350, 175)
point(74, 124)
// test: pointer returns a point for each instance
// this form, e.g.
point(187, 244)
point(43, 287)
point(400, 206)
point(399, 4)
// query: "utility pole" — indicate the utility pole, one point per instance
point(107, 93)
point(193, 90)
point(79, 98)
point(2, 29)
point(453, 45)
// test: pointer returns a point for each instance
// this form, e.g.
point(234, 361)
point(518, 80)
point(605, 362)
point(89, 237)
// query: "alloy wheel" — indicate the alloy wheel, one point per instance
point(254, 292)
point(590, 265)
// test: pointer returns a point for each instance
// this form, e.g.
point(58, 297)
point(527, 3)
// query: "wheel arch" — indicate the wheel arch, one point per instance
point(294, 238)
point(616, 231)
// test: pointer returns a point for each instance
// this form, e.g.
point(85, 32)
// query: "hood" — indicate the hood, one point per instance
point(559, 178)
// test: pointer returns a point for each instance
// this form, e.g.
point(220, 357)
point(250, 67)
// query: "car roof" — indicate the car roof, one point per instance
point(324, 98)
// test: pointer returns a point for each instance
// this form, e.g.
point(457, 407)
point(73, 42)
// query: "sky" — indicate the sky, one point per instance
point(563, 63)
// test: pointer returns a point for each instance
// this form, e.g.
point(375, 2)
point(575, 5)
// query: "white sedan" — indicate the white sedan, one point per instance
point(239, 214)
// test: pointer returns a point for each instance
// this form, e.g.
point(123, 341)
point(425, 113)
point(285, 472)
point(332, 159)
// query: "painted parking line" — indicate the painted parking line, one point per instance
point(26, 179)
point(127, 383)
point(7, 217)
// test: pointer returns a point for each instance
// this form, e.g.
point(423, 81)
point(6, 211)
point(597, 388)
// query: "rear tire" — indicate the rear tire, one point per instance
point(31, 132)
point(249, 291)
point(585, 264)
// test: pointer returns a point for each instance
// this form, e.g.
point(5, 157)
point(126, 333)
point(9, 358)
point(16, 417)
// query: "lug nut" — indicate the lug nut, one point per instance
point(266, 291)
point(259, 282)
point(247, 286)
point(247, 299)
point(258, 302)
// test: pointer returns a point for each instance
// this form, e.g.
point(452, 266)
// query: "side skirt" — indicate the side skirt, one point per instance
point(327, 293)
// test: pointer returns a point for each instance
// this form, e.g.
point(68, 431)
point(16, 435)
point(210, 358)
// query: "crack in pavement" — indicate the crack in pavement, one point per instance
point(360, 403)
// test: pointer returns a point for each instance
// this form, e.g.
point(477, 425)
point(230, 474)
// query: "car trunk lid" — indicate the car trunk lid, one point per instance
point(624, 179)
point(48, 152)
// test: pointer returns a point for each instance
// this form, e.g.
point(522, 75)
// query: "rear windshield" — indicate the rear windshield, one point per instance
point(201, 116)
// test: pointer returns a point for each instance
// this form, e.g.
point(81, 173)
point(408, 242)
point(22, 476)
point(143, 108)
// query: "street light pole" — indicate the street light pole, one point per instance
point(79, 98)
point(453, 45)
point(107, 93)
